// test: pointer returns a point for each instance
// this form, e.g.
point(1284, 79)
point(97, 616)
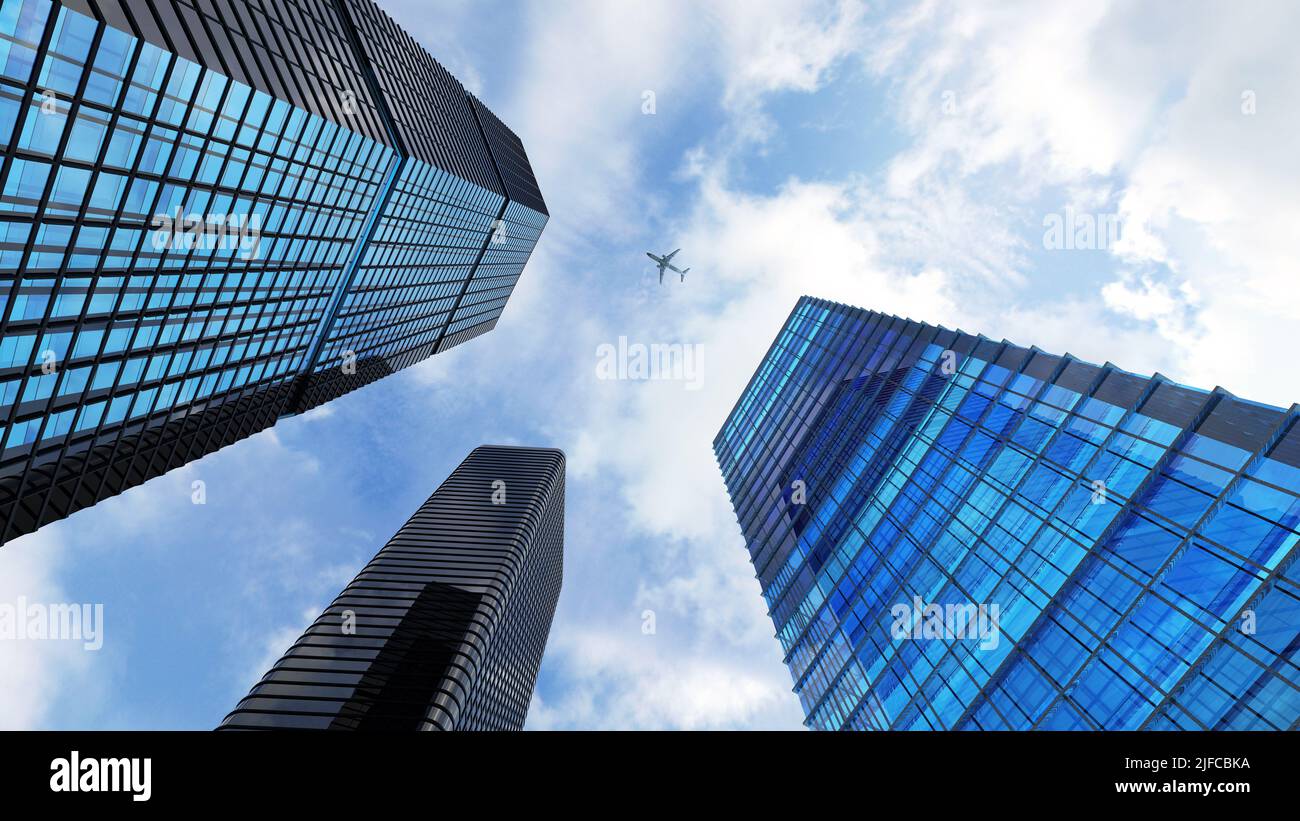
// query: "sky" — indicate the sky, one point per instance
point(909, 158)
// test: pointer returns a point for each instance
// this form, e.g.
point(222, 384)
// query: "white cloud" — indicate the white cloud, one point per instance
point(1067, 102)
point(579, 114)
point(1136, 100)
point(35, 674)
point(788, 45)
point(269, 554)
point(1146, 300)
point(761, 254)
point(626, 681)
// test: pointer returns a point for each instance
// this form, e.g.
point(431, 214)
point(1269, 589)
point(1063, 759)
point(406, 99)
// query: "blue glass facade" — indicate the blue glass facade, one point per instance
point(320, 245)
point(1134, 539)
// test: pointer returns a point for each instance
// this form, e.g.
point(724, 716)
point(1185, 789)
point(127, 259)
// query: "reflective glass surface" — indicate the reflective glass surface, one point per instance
point(187, 256)
point(1130, 540)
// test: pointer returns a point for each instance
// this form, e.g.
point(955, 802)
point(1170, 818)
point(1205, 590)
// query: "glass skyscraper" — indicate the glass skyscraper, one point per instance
point(214, 213)
point(445, 628)
point(956, 533)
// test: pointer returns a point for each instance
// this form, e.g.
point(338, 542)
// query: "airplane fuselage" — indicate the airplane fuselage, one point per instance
point(665, 264)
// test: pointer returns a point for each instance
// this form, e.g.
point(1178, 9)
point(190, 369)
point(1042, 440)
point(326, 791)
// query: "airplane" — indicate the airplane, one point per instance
point(665, 264)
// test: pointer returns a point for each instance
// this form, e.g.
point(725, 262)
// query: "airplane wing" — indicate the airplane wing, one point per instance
point(655, 258)
point(678, 270)
point(670, 256)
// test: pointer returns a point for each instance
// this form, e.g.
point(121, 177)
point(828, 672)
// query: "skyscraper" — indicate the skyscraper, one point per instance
point(952, 532)
point(445, 628)
point(215, 213)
